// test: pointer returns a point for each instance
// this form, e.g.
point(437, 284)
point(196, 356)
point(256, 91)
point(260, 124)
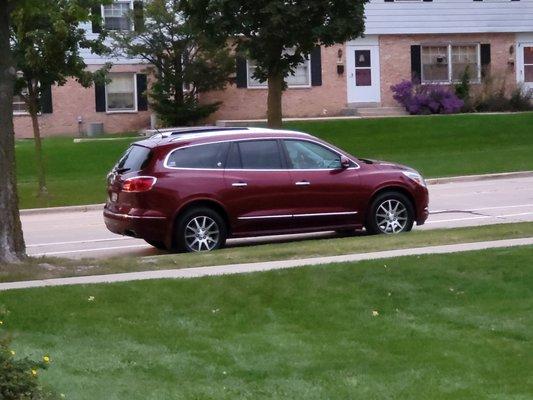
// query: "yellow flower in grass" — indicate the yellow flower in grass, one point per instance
point(34, 372)
point(1, 322)
point(46, 359)
point(375, 313)
point(13, 352)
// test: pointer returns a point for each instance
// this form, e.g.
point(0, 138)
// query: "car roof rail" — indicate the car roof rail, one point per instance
point(167, 133)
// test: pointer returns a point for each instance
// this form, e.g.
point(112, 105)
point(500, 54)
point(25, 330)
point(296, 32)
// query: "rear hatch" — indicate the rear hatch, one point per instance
point(134, 160)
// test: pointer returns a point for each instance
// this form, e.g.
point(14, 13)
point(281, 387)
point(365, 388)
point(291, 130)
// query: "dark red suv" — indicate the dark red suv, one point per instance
point(192, 191)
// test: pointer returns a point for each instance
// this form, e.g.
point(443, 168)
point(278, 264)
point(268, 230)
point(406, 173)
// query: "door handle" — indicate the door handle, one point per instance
point(239, 184)
point(302, 183)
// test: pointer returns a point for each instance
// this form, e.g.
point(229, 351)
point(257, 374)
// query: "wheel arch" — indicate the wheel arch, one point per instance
point(391, 188)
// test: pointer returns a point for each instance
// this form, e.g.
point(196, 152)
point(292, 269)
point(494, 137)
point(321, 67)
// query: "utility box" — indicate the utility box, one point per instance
point(95, 129)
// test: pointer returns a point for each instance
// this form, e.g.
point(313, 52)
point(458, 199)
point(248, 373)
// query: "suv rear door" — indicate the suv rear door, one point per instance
point(256, 182)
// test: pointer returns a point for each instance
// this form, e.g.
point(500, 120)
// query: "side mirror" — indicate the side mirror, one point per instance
point(345, 162)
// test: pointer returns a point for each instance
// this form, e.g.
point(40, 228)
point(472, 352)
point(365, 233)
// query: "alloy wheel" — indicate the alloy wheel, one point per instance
point(391, 216)
point(202, 233)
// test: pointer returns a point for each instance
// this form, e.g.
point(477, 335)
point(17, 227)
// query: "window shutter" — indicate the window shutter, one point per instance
point(142, 100)
point(138, 16)
point(96, 19)
point(99, 93)
point(416, 63)
point(46, 100)
point(242, 74)
point(485, 59)
point(316, 66)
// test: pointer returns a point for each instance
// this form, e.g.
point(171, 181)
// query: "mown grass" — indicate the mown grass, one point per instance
point(453, 326)
point(45, 268)
point(438, 146)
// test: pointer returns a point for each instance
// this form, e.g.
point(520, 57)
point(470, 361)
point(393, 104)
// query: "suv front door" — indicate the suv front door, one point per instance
point(257, 179)
point(323, 193)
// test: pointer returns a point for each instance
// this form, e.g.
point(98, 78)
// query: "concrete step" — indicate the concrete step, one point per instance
point(381, 112)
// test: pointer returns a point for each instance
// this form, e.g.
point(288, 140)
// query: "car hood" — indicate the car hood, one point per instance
point(387, 165)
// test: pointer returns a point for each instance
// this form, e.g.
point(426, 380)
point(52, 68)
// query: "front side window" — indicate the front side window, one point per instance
point(260, 154)
point(448, 63)
point(116, 16)
point(307, 155)
point(206, 156)
point(120, 92)
point(301, 77)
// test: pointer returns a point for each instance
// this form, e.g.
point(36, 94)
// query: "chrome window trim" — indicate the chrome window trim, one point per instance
point(300, 215)
point(165, 162)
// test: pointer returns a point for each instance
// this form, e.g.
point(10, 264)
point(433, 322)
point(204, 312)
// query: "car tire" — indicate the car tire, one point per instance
point(157, 244)
point(200, 229)
point(390, 213)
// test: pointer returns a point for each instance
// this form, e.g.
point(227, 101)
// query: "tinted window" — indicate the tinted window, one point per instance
point(135, 159)
point(260, 154)
point(307, 155)
point(234, 157)
point(203, 156)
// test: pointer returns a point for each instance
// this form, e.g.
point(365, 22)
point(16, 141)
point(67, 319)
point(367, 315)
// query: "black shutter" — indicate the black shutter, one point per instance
point(142, 101)
point(316, 66)
point(99, 94)
point(96, 19)
point(46, 100)
point(485, 59)
point(138, 16)
point(416, 64)
point(242, 74)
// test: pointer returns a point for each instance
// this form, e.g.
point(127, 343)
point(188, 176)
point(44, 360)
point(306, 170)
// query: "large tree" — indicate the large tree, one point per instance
point(185, 61)
point(280, 34)
point(46, 38)
point(11, 240)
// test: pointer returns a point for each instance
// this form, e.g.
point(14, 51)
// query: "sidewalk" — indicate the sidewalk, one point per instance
point(263, 266)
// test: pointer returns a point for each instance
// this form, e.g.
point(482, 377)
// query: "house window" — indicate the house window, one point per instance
point(300, 78)
point(120, 92)
point(116, 16)
point(19, 105)
point(447, 63)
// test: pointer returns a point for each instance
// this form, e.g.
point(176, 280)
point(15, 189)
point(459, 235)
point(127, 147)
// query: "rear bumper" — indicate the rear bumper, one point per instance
point(150, 227)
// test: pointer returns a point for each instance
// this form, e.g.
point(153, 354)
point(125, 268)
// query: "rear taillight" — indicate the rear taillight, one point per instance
point(138, 184)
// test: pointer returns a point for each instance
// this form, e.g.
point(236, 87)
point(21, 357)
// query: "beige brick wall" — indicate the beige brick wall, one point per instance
point(395, 57)
point(328, 99)
point(72, 100)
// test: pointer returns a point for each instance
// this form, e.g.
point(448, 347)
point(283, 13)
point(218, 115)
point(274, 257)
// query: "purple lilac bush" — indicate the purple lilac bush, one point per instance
point(426, 99)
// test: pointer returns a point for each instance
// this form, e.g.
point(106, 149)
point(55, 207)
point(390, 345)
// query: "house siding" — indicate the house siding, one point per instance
point(448, 16)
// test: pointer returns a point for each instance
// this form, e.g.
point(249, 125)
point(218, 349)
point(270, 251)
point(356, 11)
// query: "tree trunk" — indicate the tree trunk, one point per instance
point(12, 246)
point(275, 91)
point(33, 108)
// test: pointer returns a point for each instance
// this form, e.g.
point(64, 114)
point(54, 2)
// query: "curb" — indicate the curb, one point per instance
point(478, 178)
point(433, 181)
point(53, 210)
point(198, 272)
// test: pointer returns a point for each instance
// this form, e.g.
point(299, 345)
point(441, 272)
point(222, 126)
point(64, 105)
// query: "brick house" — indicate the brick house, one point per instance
point(433, 41)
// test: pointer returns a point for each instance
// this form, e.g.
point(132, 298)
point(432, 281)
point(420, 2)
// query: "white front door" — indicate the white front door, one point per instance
point(525, 64)
point(362, 64)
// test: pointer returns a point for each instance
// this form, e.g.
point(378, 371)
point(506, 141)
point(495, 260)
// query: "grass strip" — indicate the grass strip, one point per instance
point(47, 267)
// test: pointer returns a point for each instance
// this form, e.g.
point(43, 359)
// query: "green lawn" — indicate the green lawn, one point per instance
point(438, 146)
point(454, 326)
point(47, 268)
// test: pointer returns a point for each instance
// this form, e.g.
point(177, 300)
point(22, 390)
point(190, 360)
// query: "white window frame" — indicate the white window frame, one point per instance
point(20, 112)
point(114, 2)
point(450, 63)
point(136, 106)
point(264, 85)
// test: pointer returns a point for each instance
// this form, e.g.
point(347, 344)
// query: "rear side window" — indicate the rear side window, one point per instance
point(208, 156)
point(260, 154)
point(134, 159)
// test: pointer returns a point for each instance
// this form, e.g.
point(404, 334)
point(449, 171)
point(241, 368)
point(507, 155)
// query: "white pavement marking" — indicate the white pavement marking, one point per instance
point(79, 242)
point(480, 217)
point(480, 209)
point(262, 266)
point(55, 253)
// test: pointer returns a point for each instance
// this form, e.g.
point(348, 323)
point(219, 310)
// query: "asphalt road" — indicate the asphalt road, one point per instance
point(83, 234)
